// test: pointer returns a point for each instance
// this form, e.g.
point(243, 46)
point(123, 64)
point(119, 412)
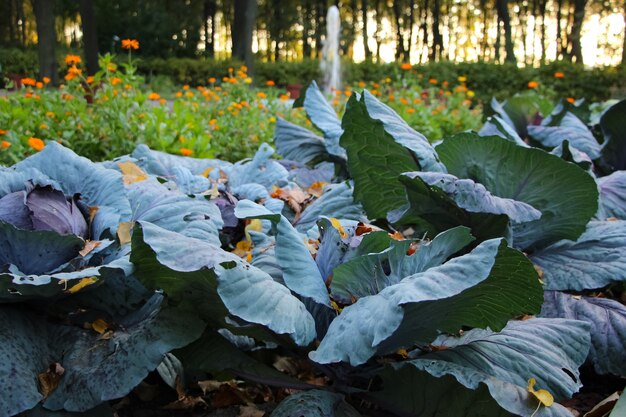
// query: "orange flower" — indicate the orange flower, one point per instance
point(212, 80)
point(261, 94)
point(533, 84)
point(115, 81)
point(46, 80)
point(111, 67)
point(5, 145)
point(559, 74)
point(186, 152)
point(406, 66)
point(29, 81)
point(571, 100)
point(90, 79)
point(163, 101)
point(410, 111)
point(432, 81)
point(270, 83)
point(73, 72)
point(36, 143)
point(179, 94)
point(3, 132)
point(39, 84)
point(154, 96)
point(72, 59)
point(130, 44)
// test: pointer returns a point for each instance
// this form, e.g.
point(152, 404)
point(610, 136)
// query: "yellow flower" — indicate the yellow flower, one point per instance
point(130, 44)
point(462, 78)
point(72, 59)
point(49, 114)
point(43, 126)
point(272, 119)
point(154, 96)
point(470, 93)
point(247, 80)
point(185, 151)
point(36, 143)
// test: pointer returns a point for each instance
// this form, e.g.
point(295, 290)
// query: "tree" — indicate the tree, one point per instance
point(502, 8)
point(243, 26)
point(209, 11)
point(90, 35)
point(46, 39)
point(368, 51)
point(575, 49)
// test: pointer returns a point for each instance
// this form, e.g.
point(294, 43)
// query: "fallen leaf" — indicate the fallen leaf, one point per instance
point(209, 386)
point(90, 245)
point(542, 395)
point(82, 284)
point(186, 403)
point(131, 172)
point(337, 225)
point(363, 228)
point(603, 407)
point(49, 380)
point(317, 188)
point(207, 171)
point(250, 411)
point(92, 213)
point(123, 232)
point(228, 395)
point(100, 326)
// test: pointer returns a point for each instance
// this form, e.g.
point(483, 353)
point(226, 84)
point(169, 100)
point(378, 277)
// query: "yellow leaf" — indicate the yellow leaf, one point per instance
point(100, 326)
point(131, 172)
point(82, 284)
point(242, 248)
point(339, 227)
point(207, 172)
point(542, 395)
point(254, 225)
point(123, 232)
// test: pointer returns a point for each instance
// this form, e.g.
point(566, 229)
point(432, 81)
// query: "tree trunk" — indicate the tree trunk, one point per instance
point(306, 29)
point(379, 26)
point(575, 52)
point(505, 18)
point(559, 38)
point(366, 47)
point(90, 36)
point(542, 10)
point(411, 21)
point(208, 19)
point(243, 26)
point(424, 26)
point(320, 14)
point(46, 39)
point(437, 50)
point(624, 44)
point(399, 35)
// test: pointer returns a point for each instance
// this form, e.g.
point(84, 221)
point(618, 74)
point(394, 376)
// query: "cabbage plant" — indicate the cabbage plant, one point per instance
point(435, 301)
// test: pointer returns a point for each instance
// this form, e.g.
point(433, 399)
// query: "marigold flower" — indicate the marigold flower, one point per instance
point(72, 59)
point(36, 143)
point(212, 80)
point(130, 44)
point(270, 83)
point(73, 72)
point(362, 84)
point(261, 94)
point(3, 132)
point(432, 81)
point(29, 81)
point(115, 81)
point(39, 84)
point(179, 94)
point(559, 74)
point(5, 145)
point(49, 114)
point(571, 100)
point(410, 111)
point(243, 68)
point(163, 101)
point(111, 67)
point(470, 93)
point(185, 151)
point(462, 78)
point(533, 84)
point(154, 96)
point(406, 66)
point(46, 80)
